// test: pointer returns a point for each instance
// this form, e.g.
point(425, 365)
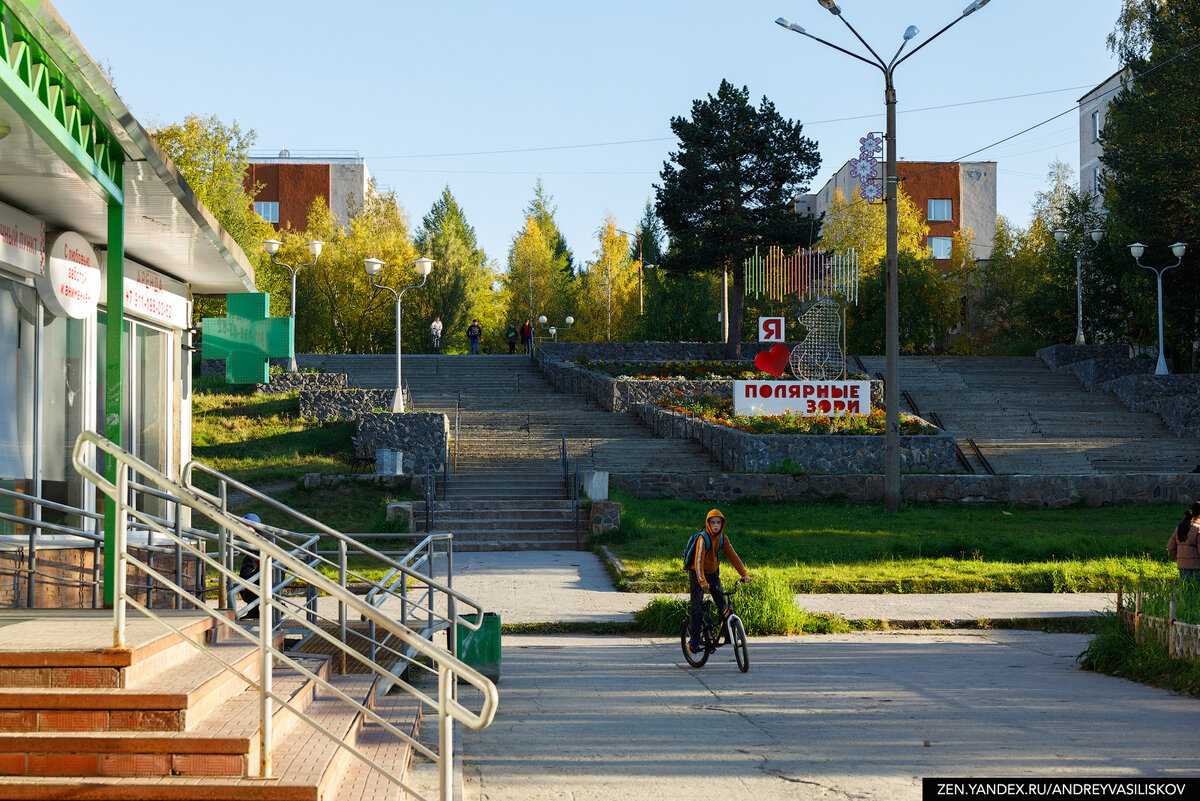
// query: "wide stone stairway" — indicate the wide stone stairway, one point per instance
point(1027, 419)
point(506, 490)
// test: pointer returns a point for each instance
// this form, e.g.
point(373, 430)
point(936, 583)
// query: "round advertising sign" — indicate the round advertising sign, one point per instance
point(70, 286)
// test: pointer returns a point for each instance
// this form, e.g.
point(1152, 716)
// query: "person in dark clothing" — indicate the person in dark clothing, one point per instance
point(511, 336)
point(474, 333)
point(248, 572)
point(526, 336)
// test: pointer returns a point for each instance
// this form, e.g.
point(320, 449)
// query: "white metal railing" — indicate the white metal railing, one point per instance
point(448, 668)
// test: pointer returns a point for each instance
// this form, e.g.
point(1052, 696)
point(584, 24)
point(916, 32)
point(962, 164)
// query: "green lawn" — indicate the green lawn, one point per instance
point(843, 547)
point(259, 439)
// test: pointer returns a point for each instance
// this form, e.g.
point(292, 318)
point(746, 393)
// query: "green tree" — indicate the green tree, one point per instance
point(729, 188)
point(929, 307)
point(459, 275)
point(542, 209)
point(1152, 156)
point(212, 157)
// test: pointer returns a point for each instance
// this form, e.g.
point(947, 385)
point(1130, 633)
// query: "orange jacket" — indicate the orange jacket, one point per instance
point(705, 562)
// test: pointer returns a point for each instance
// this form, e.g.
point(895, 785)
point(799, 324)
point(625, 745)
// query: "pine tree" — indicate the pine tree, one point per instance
point(729, 188)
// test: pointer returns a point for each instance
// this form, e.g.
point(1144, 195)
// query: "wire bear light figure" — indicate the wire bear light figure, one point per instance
point(819, 356)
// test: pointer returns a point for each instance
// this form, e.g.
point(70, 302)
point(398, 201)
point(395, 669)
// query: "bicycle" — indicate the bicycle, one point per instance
point(731, 627)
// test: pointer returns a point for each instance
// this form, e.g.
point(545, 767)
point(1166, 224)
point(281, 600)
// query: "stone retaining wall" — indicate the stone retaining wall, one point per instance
point(343, 404)
point(1032, 491)
point(623, 394)
point(1174, 398)
point(291, 382)
point(421, 435)
point(1059, 356)
point(1093, 373)
point(811, 453)
point(646, 351)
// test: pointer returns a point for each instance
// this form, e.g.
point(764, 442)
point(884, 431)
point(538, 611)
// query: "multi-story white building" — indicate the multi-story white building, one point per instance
point(1093, 109)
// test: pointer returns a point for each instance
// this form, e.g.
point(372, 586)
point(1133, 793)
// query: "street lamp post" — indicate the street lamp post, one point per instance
point(641, 267)
point(423, 266)
point(271, 247)
point(1178, 249)
point(891, 478)
point(1080, 250)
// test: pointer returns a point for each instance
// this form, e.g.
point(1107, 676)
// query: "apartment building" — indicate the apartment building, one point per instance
point(950, 196)
point(1093, 109)
point(290, 183)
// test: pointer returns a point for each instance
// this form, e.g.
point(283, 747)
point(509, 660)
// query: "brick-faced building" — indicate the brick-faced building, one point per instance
point(291, 183)
point(950, 197)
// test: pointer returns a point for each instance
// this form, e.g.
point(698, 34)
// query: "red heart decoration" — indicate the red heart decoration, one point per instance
point(773, 361)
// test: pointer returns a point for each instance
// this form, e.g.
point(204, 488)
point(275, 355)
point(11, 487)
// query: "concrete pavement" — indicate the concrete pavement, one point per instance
point(861, 716)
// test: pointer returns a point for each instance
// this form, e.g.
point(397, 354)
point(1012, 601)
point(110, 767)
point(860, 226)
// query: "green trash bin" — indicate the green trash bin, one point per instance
point(481, 649)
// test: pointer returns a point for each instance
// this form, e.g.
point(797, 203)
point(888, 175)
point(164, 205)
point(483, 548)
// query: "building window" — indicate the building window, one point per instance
point(269, 211)
point(939, 210)
point(940, 246)
point(1095, 126)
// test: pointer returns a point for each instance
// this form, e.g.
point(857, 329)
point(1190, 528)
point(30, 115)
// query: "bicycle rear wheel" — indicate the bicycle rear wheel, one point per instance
point(738, 634)
point(695, 660)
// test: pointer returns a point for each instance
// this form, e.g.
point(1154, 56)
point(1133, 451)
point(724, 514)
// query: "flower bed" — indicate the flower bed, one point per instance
point(720, 411)
point(695, 370)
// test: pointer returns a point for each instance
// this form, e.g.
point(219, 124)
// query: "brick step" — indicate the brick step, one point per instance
point(171, 700)
point(307, 763)
point(485, 545)
point(223, 744)
point(359, 781)
point(25, 662)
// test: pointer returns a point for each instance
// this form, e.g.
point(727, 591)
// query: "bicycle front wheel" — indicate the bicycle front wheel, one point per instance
point(695, 660)
point(738, 635)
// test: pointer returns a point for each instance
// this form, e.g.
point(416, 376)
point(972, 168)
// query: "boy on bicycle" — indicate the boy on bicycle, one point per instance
point(703, 573)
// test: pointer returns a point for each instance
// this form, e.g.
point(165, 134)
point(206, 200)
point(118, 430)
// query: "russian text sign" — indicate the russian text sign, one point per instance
point(22, 240)
point(770, 329)
point(803, 398)
point(70, 285)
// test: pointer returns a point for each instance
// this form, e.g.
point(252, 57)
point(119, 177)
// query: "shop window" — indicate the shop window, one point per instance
point(940, 246)
point(63, 398)
point(268, 210)
point(939, 210)
point(17, 321)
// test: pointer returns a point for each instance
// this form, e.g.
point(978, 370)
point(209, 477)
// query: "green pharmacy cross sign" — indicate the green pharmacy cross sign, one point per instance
point(246, 337)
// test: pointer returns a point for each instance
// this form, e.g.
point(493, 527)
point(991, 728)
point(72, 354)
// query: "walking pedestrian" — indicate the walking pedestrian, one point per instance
point(1184, 544)
point(474, 333)
point(435, 334)
point(526, 336)
point(511, 336)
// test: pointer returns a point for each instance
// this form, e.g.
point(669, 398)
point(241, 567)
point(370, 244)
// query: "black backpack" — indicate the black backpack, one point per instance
point(689, 553)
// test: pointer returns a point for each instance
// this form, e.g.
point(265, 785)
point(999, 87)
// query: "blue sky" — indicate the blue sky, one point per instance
point(415, 86)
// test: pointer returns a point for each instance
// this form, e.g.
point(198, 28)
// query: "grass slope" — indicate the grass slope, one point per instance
point(834, 546)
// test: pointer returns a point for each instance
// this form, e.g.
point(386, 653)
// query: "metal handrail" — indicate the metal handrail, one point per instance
point(449, 668)
point(457, 404)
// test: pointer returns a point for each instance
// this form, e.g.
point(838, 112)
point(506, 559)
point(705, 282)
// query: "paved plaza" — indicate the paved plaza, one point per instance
point(860, 716)
point(816, 717)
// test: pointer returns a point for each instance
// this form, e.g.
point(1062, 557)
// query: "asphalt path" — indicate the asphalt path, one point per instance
point(860, 716)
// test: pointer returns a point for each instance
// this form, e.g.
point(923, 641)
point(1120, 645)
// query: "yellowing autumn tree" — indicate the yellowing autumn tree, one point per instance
point(856, 225)
point(608, 289)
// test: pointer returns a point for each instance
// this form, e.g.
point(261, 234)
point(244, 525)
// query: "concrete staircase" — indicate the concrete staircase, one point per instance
point(506, 490)
point(1026, 419)
point(163, 722)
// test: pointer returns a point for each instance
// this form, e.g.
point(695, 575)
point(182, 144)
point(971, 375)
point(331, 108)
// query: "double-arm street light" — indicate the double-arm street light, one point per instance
point(1080, 250)
point(641, 267)
point(891, 479)
point(553, 330)
point(1178, 249)
point(423, 266)
point(271, 247)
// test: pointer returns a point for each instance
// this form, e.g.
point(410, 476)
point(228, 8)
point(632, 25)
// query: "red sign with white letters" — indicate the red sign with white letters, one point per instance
point(802, 398)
